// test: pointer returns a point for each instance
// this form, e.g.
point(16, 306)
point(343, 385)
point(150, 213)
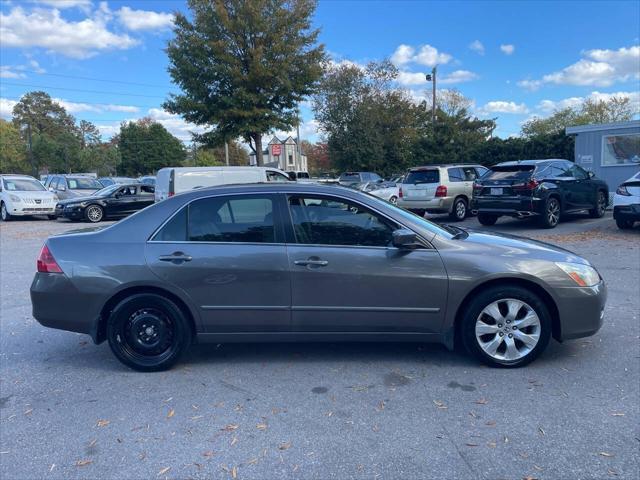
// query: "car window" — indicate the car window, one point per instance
point(578, 172)
point(509, 172)
point(81, 183)
point(247, 219)
point(127, 191)
point(374, 177)
point(175, 230)
point(147, 189)
point(326, 221)
point(22, 185)
point(349, 177)
point(455, 175)
point(469, 174)
point(273, 176)
point(481, 171)
point(416, 177)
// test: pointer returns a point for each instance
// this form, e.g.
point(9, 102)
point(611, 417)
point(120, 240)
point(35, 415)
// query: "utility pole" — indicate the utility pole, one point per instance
point(226, 153)
point(432, 78)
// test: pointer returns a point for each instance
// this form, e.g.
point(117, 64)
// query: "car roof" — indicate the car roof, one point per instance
point(270, 187)
point(15, 175)
point(444, 165)
point(530, 162)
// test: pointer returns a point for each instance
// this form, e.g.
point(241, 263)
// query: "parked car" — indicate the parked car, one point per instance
point(148, 180)
point(353, 179)
point(108, 181)
point(307, 262)
point(72, 186)
point(386, 190)
point(22, 195)
point(545, 189)
point(173, 180)
point(298, 175)
point(626, 203)
point(114, 201)
point(439, 189)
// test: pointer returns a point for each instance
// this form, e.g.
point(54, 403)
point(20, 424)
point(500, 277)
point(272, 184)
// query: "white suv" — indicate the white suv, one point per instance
point(21, 195)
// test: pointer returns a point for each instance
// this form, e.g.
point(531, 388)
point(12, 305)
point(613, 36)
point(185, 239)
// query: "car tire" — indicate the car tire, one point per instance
point(551, 214)
point(418, 211)
point(624, 224)
point(148, 332)
point(459, 211)
point(52, 217)
point(601, 205)
point(486, 219)
point(393, 200)
point(4, 213)
point(94, 213)
point(512, 339)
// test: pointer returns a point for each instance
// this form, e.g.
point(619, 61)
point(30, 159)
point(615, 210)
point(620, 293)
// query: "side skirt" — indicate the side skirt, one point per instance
point(256, 337)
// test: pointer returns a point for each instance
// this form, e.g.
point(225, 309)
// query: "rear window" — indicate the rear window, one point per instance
point(83, 184)
point(350, 177)
point(422, 176)
point(515, 172)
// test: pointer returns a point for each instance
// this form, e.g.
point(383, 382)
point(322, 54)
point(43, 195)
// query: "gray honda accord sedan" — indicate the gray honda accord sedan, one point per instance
point(305, 262)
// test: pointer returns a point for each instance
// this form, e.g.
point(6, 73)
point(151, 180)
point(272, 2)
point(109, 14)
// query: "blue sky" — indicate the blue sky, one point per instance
point(105, 61)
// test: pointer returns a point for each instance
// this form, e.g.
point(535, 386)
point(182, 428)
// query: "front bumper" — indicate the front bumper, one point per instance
point(25, 210)
point(432, 205)
point(72, 212)
point(581, 310)
point(627, 212)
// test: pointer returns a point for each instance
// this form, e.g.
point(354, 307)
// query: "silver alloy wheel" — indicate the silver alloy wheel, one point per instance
point(602, 202)
point(508, 329)
point(393, 200)
point(553, 211)
point(94, 213)
point(461, 209)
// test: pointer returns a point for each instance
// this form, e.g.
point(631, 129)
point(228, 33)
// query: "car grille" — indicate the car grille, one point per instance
point(38, 201)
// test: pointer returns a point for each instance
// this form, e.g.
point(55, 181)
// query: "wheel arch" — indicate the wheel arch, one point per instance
point(510, 282)
point(100, 332)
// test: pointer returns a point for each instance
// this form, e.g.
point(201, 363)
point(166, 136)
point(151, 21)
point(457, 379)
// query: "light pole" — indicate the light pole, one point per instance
point(431, 77)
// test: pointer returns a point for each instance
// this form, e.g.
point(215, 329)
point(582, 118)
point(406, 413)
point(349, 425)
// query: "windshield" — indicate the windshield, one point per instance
point(423, 176)
point(106, 190)
point(22, 185)
point(511, 172)
point(82, 183)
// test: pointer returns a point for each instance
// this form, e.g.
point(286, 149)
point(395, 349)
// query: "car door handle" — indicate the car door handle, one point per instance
point(176, 258)
point(311, 263)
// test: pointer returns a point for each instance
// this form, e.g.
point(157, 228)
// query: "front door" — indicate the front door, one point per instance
point(346, 276)
point(228, 255)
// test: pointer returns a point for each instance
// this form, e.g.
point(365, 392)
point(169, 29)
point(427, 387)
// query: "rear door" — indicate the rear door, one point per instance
point(347, 277)
point(421, 184)
point(227, 253)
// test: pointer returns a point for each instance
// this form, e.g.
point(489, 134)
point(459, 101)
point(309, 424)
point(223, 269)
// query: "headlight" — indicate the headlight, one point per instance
point(583, 275)
point(15, 198)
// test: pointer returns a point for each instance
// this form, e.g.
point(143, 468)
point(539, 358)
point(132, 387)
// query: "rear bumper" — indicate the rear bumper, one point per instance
point(627, 212)
point(512, 206)
point(581, 310)
point(432, 205)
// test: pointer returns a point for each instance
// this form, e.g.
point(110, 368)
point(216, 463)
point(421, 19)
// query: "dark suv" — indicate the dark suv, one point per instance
point(541, 188)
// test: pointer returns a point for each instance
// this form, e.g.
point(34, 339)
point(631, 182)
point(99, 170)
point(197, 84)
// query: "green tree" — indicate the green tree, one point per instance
point(146, 146)
point(89, 134)
point(243, 66)
point(13, 150)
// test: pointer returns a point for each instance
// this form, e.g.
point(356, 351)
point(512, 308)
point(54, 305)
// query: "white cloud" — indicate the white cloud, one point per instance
point(175, 124)
point(549, 106)
point(425, 55)
point(47, 29)
point(507, 49)
point(599, 68)
point(144, 19)
point(8, 71)
point(6, 107)
point(501, 106)
point(459, 76)
point(77, 107)
point(62, 4)
point(477, 47)
point(411, 78)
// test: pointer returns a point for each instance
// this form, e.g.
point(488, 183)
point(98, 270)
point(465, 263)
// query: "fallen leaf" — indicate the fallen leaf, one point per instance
point(439, 404)
point(27, 412)
point(82, 463)
point(617, 414)
point(284, 446)
point(540, 429)
point(252, 461)
point(471, 444)
point(164, 470)
point(234, 440)
point(208, 454)
point(482, 401)
point(103, 423)
point(171, 413)
point(490, 423)
point(261, 426)
point(538, 468)
point(92, 442)
point(492, 444)
point(53, 465)
point(234, 472)
point(381, 405)
point(606, 454)
point(528, 477)
point(230, 428)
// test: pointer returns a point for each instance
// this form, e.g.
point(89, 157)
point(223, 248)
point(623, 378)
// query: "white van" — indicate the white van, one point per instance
point(173, 180)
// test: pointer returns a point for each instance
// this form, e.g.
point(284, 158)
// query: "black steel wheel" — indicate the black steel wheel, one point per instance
point(148, 332)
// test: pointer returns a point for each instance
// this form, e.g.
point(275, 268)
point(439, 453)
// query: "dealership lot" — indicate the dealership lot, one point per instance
point(68, 409)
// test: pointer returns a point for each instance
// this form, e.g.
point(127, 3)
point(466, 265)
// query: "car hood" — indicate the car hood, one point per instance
point(518, 247)
point(81, 193)
point(80, 199)
point(35, 194)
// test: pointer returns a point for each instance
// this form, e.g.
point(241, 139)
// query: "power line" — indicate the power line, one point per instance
point(81, 90)
point(96, 79)
point(149, 105)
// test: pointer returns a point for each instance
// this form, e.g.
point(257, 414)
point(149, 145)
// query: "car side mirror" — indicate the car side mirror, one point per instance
point(591, 174)
point(404, 238)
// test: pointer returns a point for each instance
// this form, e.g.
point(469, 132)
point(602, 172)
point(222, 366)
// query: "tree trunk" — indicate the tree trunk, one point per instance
point(34, 168)
point(257, 139)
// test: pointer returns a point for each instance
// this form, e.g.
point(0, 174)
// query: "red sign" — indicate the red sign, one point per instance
point(276, 150)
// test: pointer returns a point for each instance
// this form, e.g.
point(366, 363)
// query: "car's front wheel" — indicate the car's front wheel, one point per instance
point(4, 213)
point(624, 224)
point(148, 332)
point(506, 326)
point(601, 206)
point(94, 213)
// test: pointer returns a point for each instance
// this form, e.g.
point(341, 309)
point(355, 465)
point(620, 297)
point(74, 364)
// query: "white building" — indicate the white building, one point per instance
point(283, 155)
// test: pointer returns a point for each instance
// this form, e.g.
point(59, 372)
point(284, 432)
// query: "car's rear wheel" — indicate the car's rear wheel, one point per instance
point(418, 211)
point(459, 210)
point(393, 200)
point(4, 213)
point(486, 219)
point(94, 213)
point(148, 332)
point(601, 206)
point(551, 215)
point(624, 224)
point(506, 326)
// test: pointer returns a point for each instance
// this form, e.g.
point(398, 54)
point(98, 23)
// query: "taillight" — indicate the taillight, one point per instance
point(530, 185)
point(441, 191)
point(477, 189)
point(400, 192)
point(46, 263)
point(622, 190)
point(170, 194)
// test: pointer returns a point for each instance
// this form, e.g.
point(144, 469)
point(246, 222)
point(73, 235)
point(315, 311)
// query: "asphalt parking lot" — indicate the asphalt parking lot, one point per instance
point(69, 409)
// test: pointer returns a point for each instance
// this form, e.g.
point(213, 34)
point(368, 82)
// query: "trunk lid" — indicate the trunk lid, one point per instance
point(421, 184)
